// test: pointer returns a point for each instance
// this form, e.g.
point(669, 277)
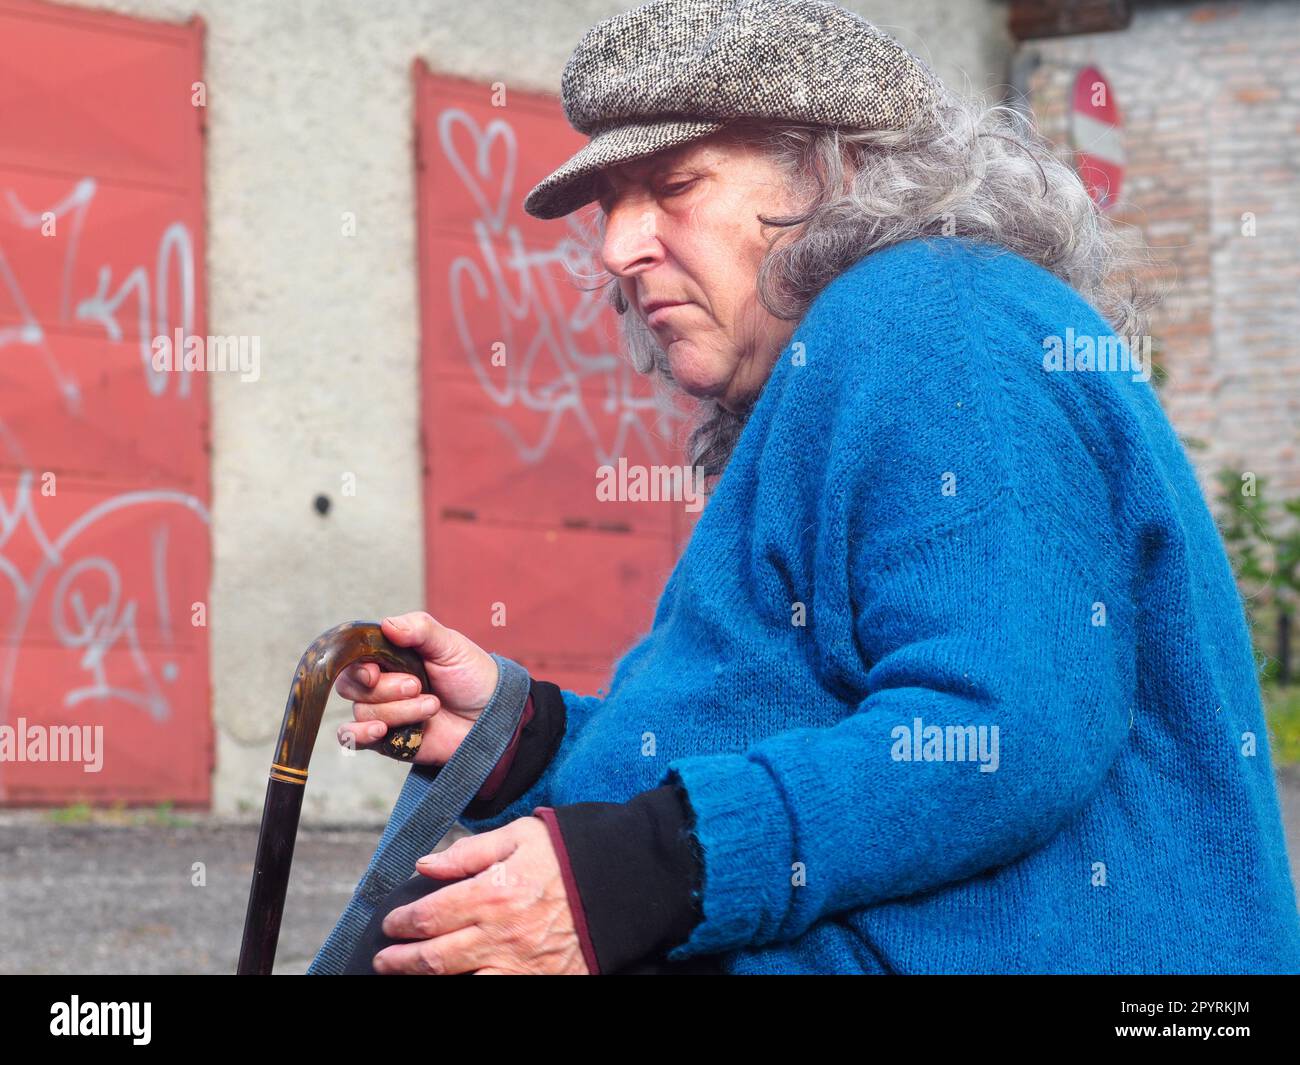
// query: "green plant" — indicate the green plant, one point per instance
point(76, 813)
point(1264, 549)
point(1283, 722)
point(1244, 527)
point(164, 816)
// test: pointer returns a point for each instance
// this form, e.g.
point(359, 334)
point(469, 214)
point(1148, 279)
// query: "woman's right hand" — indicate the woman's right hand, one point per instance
point(462, 674)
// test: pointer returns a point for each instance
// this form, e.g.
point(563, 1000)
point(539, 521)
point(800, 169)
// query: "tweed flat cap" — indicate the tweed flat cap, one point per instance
point(673, 71)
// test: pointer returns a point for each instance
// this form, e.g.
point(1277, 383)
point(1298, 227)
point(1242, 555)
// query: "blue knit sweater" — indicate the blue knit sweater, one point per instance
point(953, 670)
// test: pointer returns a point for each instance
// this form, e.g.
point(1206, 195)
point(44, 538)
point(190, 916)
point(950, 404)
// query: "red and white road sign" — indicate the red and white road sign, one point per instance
point(1096, 134)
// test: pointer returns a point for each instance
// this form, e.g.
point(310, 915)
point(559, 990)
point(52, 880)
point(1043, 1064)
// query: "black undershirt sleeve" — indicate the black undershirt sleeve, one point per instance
point(538, 742)
point(637, 871)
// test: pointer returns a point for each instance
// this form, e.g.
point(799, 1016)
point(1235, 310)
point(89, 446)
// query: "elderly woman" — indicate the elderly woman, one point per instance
point(952, 675)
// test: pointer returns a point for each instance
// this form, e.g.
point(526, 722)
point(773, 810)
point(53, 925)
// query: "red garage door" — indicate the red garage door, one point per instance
point(525, 396)
point(104, 557)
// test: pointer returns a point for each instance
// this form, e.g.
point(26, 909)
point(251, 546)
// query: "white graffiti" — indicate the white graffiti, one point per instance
point(550, 351)
point(175, 252)
point(92, 631)
point(90, 613)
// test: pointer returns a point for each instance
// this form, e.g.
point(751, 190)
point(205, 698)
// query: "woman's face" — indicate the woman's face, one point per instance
point(682, 228)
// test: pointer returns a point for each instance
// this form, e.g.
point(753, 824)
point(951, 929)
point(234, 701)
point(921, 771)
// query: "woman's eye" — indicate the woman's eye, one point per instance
point(676, 188)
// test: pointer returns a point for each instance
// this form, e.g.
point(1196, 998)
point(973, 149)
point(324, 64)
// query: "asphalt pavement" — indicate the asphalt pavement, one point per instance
point(107, 897)
point(110, 898)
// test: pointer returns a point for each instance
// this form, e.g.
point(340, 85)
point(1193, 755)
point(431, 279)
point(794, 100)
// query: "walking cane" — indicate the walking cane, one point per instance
point(320, 665)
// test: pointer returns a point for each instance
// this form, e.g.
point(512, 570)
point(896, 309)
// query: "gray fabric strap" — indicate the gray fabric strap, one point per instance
point(425, 810)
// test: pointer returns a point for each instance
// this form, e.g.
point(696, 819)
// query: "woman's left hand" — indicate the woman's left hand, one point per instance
point(511, 916)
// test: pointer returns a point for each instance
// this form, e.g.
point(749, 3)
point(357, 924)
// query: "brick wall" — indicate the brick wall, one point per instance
point(1210, 98)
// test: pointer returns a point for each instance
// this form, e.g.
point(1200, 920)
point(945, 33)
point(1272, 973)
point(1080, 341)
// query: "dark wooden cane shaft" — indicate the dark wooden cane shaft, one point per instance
point(319, 667)
point(270, 877)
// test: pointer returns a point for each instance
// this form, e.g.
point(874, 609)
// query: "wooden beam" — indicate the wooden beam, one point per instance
point(1062, 18)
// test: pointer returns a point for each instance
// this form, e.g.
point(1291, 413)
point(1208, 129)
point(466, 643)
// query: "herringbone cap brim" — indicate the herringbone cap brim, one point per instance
point(673, 71)
point(575, 183)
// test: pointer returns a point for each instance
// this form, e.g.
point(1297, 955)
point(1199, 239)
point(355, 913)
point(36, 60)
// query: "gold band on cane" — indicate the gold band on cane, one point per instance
point(288, 774)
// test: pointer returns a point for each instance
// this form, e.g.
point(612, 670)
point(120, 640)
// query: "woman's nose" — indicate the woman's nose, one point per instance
point(631, 239)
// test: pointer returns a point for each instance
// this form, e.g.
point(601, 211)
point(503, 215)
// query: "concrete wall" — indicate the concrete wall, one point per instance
point(309, 117)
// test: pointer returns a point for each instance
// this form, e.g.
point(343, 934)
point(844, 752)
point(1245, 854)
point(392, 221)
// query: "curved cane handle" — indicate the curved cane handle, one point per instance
point(322, 662)
point(331, 653)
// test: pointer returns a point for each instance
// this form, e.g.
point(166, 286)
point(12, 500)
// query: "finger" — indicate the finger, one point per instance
point(388, 687)
point(353, 680)
point(400, 712)
point(461, 951)
point(443, 911)
point(427, 636)
point(469, 855)
point(362, 673)
point(361, 737)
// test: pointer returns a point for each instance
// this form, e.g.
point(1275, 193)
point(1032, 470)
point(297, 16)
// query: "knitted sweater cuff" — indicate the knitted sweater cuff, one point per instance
point(742, 831)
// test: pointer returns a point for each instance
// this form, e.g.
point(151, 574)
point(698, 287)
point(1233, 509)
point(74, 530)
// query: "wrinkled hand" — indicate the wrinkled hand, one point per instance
point(462, 675)
point(511, 917)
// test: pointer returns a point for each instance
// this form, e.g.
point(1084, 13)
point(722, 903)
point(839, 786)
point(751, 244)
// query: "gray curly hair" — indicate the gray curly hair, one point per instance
point(964, 169)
